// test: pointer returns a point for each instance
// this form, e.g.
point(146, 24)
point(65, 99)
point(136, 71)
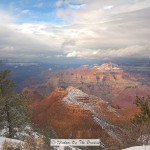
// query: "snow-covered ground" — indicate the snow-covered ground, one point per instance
point(3, 139)
point(144, 147)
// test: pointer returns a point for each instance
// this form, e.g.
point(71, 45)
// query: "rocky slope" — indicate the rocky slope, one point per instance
point(75, 114)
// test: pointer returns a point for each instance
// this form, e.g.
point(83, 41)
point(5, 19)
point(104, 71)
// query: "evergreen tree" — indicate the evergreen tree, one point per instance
point(13, 109)
point(144, 114)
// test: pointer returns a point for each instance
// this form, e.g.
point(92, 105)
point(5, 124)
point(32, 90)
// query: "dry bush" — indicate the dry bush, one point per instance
point(135, 135)
point(34, 143)
point(31, 143)
point(8, 145)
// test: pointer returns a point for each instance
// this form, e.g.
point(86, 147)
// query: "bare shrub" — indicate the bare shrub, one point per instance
point(9, 145)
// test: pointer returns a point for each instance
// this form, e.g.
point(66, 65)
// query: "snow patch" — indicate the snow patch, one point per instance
point(107, 67)
point(106, 126)
point(144, 147)
point(73, 95)
point(81, 99)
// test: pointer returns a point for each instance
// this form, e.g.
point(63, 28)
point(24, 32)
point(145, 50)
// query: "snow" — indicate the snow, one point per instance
point(20, 134)
point(3, 131)
point(105, 125)
point(107, 67)
point(3, 139)
point(144, 147)
point(144, 139)
point(73, 95)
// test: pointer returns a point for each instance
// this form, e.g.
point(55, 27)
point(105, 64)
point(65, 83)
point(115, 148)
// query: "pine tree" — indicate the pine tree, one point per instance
point(141, 121)
point(13, 109)
point(144, 114)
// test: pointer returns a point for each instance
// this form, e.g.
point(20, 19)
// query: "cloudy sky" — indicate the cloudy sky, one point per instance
point(74, 30)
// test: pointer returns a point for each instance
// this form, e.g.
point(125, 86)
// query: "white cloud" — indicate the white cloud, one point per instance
point(59, 3)
point(72, 54)
point(26, 11)
point(5, 17)
point(100, 29)
point(77, 6)
point(108, 7)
